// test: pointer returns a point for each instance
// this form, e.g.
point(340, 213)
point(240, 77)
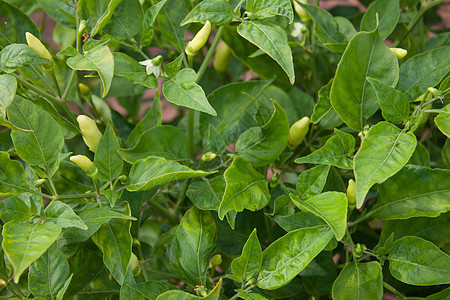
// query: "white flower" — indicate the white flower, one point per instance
point(153, 66)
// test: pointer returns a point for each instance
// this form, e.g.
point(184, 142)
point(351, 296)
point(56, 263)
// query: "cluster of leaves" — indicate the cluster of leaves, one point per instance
point(220, 181)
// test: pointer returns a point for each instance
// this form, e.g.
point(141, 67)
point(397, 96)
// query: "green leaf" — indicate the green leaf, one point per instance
point(423, 71)
point(323, 106)
point(248, 264)
point(290, 254)
point(330, 207)
point(298, 220)
point(180, 295)
point(272, 40)
point(99, 59)
point(12, 176)
point(153, 171)
point(16, 23)
point(126, 20)
point(206, 194)
point(311, 182)
point(15, 56)
point(415, 191)
point(352, 97)
point(192, 245)
point(62, 291)
point(384, 151)
point(442, 120)
point(262, 9)
point(337, 151)
point(107, 161)
point(41, 146)
point(218, 12)
point(164, 141)
point(394, 104)
point(126, 291)
point(169, 19)
point(246, 188)
point(23, 243)
point(263, 145)
point(359, 281)
point(16, 209)
point(185, 92)
point(415, 261)
point(128, 67)
point(115, 241)
point(388, 14)
point(147, 30)
point(151, 119)
point(97, 13)
point(8, 86)
point(62, 215)
point(150, 289)
point(60, 11)
point(48, 274)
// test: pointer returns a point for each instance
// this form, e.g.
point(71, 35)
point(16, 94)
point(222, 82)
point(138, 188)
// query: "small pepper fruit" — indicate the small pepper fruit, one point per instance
point(199, 40)
point(209, 156)
point(85, 163)
point(301, 12)
point(216, 260)
point(222, 58)
point(297, 132)
point(41, 50)
point(89, 129)
point(399, 52)
point(351, 194)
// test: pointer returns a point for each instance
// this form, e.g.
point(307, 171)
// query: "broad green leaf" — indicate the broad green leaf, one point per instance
point(23, 243)
point(337, 151)
point(60, 11)
point(48, 274)
point(126, 291)
point(330, 207)
point(192, 245)
point(169, 19)
point(320, 284)
point(164, 141)
point(298, 220)
point(180, 295)
point(150, 289)
point(107, 161)
point(323, 106)
point(97, 13)
point(62, 215)
point(352, 97)
point(62, 291)
point(146, 31)
point(151, 119)
point(15, 24)
point(290, 254)
point(236, 106)
point(16, 209)
point(183, 91)
point(15, 56)
point(312, 181)
point(394, 104)
point(251, 296)
point(246, 188)
point(345, 27)
point(99, 59)
point(248, 264)
point(388, 14)
point(128, 67)
point(272, 40)
point(359, 281)
point(440, 295)
point(115, 241)
point(12, 176)
point(8, 86)
point(41, 146)
point(262, 9)
point(442, 120)
point(263, 145)
point(435, 230)
point(153, 171)
point(416, 261)
point(214, 141)
point(423, 71)
point(207, 194)
point(218, 12)
point(172, 68)
point(420, 157)
point(126, 20)
point(384, 151)
point(414, 191)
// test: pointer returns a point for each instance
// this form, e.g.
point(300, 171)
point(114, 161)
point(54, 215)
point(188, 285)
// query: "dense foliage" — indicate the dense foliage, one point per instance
point(294, 152)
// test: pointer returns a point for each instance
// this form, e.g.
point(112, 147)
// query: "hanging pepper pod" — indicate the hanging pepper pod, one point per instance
point(86, 164)
point(199, 40)
point(399, 52)
point(222, 58)
point(297, 132)
point(91, 134)
point(41, 50)
point(351, 194)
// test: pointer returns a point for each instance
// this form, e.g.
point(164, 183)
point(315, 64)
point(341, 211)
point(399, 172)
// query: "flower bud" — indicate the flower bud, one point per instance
point(199, 40)
point(351, 194)
point(84, 89)
point(297, 132)
point(89, 129)
point(301, 12)
point(85, 163)
point(209, 156)
point(216, 260)
point(399, 52)
point(37, 46)
point(222, 58)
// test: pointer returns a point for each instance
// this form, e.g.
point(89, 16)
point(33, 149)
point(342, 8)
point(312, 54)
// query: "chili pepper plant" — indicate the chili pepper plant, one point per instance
point(259, 149)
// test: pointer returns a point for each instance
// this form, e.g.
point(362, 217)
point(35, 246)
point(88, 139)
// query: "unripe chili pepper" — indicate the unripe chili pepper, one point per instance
point(199, 40)
point(358, 251)
point(37, 46)
point(399, 52)
point(301, 12)
point(216, 260)
point(89, 129)
point(351, 194)
point(209, 156)
point(85, 163)
point(222, 58)
point(297, 132)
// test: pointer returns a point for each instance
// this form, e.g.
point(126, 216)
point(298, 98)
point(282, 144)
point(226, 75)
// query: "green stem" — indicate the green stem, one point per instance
point(55, 83)
point(69, 84)
point(11, 287)
point(191, 116)
point(363, 218)
point(393, 290)
point(423, 9)
point(141, 262)
point(243, 292)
